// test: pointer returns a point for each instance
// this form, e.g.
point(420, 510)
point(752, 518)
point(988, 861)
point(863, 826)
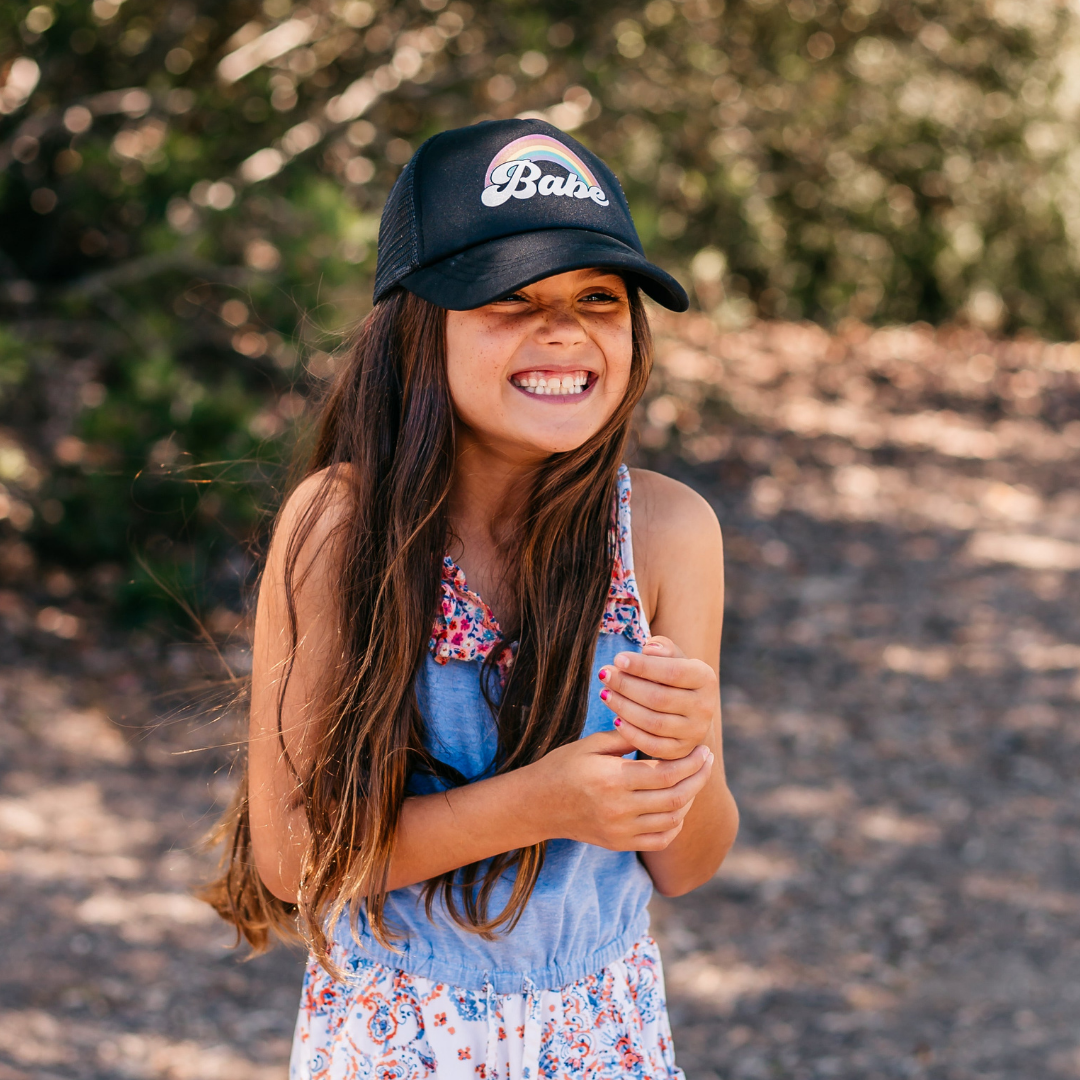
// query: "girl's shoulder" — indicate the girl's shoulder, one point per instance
point(664, 509)
point(325, 495)
point(678, 546)
point(310, 521)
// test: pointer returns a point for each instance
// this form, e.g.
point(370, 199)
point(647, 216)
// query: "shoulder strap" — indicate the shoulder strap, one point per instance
point(625, 588)
point(622, 519)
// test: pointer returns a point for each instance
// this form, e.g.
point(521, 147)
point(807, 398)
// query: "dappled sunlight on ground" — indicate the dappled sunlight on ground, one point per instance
point(111, 967)
point(901, 679)
point(902, 684)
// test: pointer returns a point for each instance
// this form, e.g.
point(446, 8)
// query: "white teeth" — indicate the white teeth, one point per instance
point(570, 383)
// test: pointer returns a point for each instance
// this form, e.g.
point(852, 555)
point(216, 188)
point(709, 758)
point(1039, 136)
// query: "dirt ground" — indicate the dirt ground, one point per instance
point(901, 686)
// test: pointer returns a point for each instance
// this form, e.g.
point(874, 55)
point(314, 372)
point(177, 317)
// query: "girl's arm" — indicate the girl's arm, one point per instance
point(668, 698)
point(584, 791)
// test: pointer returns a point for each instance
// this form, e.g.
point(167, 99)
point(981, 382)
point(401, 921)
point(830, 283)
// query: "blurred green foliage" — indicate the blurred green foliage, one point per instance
point(190, 198)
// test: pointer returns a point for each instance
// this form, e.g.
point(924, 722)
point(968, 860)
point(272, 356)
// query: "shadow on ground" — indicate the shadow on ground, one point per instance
point(901, 679)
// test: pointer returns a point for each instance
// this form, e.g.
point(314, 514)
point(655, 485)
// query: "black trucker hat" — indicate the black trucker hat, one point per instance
point(483, 210)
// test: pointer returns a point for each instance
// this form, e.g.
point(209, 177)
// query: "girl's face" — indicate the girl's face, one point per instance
point(543, 369)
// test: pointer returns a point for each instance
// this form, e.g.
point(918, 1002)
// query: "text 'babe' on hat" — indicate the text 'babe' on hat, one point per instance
point(483, 210)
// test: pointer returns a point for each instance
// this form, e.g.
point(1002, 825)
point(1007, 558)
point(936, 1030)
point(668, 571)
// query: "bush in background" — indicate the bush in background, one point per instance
point(190, 200)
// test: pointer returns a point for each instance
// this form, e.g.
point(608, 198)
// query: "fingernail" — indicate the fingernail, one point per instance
point(618, 720)
point(602, 674)
point(604, 694)
point(622, 660)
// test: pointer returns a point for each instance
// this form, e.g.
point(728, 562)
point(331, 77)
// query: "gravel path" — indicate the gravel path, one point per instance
point(901, 683)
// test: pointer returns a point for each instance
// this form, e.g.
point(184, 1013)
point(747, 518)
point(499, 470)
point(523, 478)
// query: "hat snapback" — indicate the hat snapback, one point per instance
point(483, 210)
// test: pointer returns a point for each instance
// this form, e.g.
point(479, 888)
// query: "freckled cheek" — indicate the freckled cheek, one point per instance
point(618, 353)
point(475, 355)
point(477, 383)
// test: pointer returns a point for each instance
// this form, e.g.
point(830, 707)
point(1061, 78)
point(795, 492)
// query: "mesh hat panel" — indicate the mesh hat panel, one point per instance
point(399, 243)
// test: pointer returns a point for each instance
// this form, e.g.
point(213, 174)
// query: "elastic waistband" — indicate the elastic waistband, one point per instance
point(508, 981)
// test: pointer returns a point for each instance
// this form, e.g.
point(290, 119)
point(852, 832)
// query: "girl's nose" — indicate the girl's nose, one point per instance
point(561, 326)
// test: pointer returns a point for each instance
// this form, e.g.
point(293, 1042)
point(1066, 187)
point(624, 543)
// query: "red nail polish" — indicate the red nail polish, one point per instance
point(602, 674)
point(604, 694)
point(618, 720)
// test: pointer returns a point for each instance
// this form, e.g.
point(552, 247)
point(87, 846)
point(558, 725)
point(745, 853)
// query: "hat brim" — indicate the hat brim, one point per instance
point(488, 271)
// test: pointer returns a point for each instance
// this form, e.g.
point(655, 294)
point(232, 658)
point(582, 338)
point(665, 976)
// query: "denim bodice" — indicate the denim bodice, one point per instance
point(589, 904)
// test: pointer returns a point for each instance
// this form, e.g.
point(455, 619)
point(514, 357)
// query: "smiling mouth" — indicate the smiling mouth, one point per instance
point(564, 384)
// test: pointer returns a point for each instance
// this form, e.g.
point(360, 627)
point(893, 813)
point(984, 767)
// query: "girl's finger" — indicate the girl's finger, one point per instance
point(674, 798)
point(613, 743)
point(661, 822)
point(657, 841)
point(663, 774)
point(655, 696)
point(663, 724)
point(671, 671)
point(652, 745)
point(661, 646)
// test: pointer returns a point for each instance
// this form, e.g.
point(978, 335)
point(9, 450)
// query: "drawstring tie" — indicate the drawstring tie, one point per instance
point(491, 1059)
point(530, 1061)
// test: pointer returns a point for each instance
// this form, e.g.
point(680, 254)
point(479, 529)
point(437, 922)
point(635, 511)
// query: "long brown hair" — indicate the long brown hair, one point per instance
point(387, 429)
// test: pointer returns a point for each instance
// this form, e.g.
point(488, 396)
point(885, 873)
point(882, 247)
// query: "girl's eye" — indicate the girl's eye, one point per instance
point(511, 298)
point(600, 296)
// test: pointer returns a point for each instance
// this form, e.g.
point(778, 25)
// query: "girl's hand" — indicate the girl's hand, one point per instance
point(664, 704)
point(589, 792)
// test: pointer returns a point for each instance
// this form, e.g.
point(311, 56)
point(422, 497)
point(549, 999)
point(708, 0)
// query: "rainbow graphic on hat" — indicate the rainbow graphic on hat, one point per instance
point(542, 148)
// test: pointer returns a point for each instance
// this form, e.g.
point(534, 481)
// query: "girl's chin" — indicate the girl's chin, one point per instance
point(539, 443)
point(529, 432)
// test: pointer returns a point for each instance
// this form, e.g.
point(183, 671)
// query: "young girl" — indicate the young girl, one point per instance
point(485, 717)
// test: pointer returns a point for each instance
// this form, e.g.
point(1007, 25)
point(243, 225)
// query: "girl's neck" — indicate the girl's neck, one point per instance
point(490, 487)
point(489, 491)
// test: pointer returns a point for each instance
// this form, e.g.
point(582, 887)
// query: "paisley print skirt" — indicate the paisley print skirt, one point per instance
point(385, 1024)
